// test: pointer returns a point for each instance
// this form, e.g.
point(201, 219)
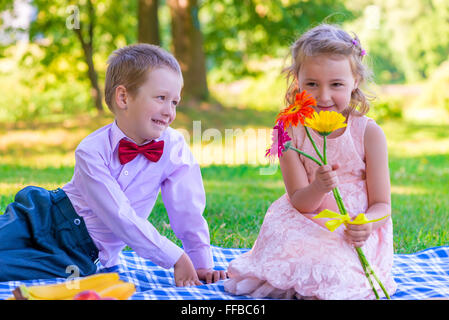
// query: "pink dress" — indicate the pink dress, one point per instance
point(296, 256)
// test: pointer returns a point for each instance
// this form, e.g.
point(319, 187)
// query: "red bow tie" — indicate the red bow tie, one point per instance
point(128, 150)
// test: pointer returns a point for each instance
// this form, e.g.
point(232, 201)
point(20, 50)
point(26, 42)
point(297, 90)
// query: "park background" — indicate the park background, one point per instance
point(53, 58)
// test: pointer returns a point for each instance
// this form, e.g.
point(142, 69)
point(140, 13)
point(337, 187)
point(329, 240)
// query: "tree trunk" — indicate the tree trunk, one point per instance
point(87, 45)
point(188, 47)
point(148, 22)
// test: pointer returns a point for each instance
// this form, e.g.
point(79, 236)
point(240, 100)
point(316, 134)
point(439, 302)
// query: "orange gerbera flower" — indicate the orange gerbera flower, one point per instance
point(297, 111)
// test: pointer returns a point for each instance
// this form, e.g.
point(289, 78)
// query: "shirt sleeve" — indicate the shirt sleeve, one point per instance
point(105, 198)
point(184, 198)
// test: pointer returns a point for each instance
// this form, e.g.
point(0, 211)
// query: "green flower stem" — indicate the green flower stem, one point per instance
point(371, 271)
point(367, 274)
point(365, 265)
point(324, 149)
point(304, 154)
point(314, 144)
point(339, 201)
point(335, 191)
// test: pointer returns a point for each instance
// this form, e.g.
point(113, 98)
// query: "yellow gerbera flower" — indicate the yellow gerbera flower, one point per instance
point(325, 122)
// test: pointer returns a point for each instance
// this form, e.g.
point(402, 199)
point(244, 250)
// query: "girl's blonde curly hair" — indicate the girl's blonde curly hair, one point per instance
point(331, 40)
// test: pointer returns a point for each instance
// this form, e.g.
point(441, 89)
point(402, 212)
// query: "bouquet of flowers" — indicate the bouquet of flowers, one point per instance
point(324, 123)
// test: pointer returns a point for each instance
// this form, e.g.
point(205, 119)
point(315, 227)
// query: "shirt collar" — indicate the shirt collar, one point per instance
point(116, 134)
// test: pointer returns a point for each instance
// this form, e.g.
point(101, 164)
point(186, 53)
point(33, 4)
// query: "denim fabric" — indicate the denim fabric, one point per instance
point(41, 236)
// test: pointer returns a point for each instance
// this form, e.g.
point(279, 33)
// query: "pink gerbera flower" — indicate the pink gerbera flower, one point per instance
point(279, 138)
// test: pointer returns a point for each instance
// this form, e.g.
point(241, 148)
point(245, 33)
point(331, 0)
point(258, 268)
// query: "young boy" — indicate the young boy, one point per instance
point(119, 171)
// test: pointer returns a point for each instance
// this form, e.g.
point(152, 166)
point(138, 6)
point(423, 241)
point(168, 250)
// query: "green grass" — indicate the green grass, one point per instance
point(420, 201)
point(238, 196)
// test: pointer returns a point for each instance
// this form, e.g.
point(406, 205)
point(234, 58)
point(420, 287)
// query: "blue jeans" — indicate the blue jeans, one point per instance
point(41, 236)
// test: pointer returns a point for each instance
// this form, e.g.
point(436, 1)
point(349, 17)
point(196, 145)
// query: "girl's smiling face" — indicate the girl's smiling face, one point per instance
point(329, 79)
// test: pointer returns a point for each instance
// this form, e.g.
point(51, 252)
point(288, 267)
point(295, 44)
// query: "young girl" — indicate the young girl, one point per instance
point(295, 255)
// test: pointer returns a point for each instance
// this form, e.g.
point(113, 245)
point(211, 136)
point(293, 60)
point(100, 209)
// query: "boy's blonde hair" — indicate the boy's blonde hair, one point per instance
point(129, 66)
point(332, 40)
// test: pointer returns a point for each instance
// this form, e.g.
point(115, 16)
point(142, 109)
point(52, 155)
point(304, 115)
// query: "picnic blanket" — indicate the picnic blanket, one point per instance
point(420, 275)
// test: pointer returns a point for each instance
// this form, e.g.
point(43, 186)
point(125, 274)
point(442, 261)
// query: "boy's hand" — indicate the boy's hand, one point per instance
point(185, 273)
point(326, 178)
point(210, 275)
point(357, 234)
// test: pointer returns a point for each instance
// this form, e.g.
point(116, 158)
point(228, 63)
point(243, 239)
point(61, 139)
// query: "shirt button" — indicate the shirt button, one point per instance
point(125, 172)
point(77, 221)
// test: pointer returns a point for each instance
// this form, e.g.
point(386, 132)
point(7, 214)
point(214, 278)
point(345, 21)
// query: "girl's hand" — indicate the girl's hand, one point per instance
point(357, 234)
point(210, 275)
point(326, 178)
point(185, 273)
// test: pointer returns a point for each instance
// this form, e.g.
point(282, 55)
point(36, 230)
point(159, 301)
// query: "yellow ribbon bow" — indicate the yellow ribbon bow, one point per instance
point(338, 219)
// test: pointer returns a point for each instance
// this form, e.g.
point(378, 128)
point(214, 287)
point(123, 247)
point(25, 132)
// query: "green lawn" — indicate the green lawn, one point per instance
point(238, 195)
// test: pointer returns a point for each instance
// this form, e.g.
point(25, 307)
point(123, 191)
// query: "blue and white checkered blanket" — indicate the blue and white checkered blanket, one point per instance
point(420, 275)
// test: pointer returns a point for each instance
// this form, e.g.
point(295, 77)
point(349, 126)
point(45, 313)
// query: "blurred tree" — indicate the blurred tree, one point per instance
point(6, 5)
point(237, 31)
point(86, 38)
point(77, 37)
point(188, 47)
point(148, 22)
point(406, 39)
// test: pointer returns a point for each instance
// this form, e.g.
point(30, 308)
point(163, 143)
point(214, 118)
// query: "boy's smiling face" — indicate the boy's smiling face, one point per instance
point(145, 115)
